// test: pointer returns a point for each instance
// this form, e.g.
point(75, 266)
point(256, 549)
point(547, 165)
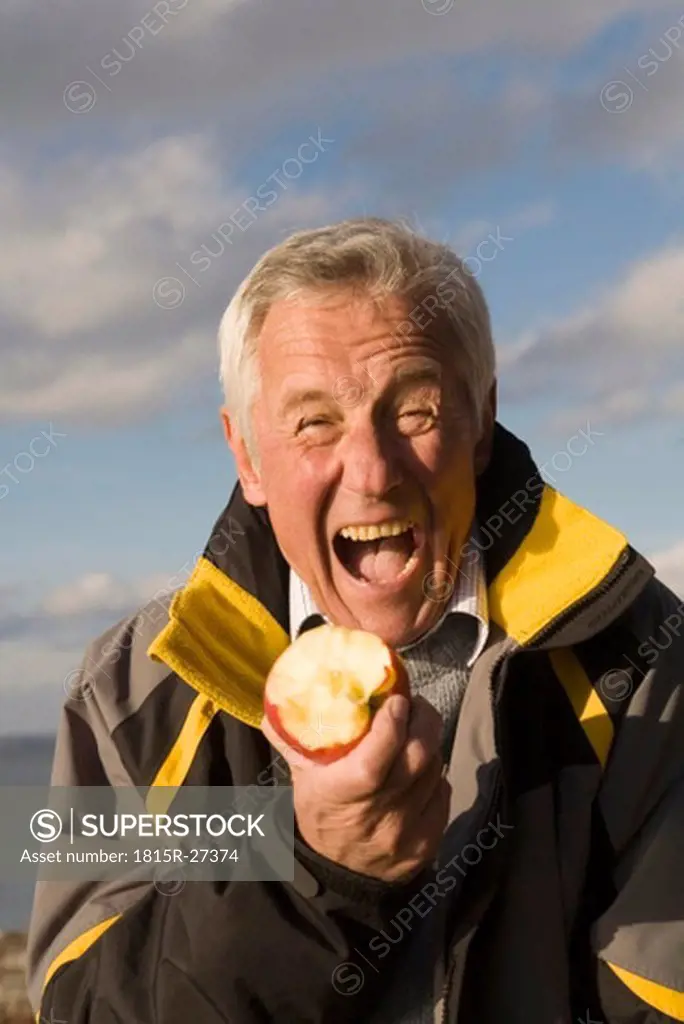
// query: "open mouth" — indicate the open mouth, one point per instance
point(383, 553)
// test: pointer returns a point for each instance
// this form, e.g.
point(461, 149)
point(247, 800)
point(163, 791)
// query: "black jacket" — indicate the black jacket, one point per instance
point(569, 750)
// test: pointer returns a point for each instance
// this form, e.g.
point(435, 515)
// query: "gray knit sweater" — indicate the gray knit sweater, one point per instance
point(437, 668)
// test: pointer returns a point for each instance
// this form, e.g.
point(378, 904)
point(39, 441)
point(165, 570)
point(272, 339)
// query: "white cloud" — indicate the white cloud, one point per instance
point(81, 609)
point(647, 309)
point(536, 215)
point(33, 685)
point(514, 222)
point(97, 592)
point(84, 248)
point(212, 49)
point(42, 646)
point(86, 237)
point(673, 400)
point(81, 246)
point(617, 355)
point(630, 115)
point(620, 407)
point(110, 385)
point(82, 334)
point(237, 63)
point(669, 565)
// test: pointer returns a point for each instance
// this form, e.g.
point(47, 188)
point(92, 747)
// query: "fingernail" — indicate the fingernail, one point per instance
point(398, 707)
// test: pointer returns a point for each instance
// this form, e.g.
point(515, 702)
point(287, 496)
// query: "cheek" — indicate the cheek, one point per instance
point(437, 458)
point(295, 490)
point(451, 473)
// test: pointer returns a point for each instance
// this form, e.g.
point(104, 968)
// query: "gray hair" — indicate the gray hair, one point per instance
point(379, 258)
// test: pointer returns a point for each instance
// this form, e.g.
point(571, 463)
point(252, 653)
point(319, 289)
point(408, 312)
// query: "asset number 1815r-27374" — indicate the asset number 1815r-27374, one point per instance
point(194, 856)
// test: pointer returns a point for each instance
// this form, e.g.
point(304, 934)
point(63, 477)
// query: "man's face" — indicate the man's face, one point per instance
point(359, 425)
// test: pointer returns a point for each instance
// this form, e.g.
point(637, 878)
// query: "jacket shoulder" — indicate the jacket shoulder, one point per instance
point(655, 606)
point(117, 677)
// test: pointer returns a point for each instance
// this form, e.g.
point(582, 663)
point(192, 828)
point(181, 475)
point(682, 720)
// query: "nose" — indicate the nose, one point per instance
point(371, 465)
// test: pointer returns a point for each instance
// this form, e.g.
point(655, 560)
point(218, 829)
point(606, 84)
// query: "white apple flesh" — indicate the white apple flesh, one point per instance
point(323, 690)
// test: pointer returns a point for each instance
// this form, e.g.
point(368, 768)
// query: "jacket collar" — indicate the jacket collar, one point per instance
point(549, 562)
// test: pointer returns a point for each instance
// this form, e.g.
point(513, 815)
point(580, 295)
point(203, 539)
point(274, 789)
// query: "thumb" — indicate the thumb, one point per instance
point(378, 750)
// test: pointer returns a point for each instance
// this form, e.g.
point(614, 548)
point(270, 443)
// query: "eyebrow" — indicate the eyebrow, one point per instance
point(428, 373)
point(299, 398)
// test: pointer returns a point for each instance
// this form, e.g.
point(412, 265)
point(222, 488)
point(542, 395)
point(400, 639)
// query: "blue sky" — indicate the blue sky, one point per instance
point(560, 130)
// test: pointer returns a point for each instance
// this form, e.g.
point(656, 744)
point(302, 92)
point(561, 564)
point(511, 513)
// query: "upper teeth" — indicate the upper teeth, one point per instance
point(391, 528)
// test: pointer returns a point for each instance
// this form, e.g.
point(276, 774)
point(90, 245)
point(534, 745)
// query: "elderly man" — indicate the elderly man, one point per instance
point(505, 846)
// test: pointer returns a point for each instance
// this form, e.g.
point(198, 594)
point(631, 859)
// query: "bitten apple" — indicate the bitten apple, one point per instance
point(323, 690)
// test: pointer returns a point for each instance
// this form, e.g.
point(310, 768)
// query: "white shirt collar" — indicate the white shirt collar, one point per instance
point(469, 597)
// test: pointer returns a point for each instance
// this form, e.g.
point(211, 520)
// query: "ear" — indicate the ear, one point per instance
point(248, 476)
point(483, 448)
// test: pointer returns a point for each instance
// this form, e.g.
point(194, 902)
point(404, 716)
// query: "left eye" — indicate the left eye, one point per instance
point(417, 412)
point(417, 420)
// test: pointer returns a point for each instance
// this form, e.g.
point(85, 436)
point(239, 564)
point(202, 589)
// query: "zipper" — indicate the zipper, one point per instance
point(445, 991)
point(624, 562)
point(453, 960)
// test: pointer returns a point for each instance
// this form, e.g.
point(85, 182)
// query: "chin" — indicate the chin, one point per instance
point(400, 635)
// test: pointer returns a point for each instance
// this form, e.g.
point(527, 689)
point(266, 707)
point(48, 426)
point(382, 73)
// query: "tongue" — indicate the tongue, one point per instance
point(380, 561)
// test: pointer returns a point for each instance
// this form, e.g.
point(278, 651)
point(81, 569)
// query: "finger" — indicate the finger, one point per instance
point(423, 831)
point(422, 790)
point(368, 764)
point(423, 743)
point(435, 817)
point(432, 823)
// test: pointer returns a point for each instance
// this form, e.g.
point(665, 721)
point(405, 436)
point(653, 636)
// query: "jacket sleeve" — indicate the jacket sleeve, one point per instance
point(68, 917)
point(244, 952)
point(639, 938)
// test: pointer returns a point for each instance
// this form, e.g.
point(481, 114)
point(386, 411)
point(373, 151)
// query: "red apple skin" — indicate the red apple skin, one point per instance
point(321, 755)
point(396, 681)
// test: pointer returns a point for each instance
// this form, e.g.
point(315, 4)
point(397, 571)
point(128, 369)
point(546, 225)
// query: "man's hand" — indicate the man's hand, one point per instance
point(380, 810)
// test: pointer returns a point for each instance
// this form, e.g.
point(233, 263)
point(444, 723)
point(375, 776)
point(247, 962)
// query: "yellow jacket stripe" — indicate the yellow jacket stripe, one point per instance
point(666, 1000)
point(172, 773)
point(76, 949)
point(586, 703)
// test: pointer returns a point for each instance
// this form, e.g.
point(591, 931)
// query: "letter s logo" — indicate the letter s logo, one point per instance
point(46, 826)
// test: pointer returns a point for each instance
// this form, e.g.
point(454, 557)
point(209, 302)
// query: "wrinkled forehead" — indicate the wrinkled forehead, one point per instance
point(312, 329)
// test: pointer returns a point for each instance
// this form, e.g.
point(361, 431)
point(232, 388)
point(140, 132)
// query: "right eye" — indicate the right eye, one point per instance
point(318, 430)
point(316, 421)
